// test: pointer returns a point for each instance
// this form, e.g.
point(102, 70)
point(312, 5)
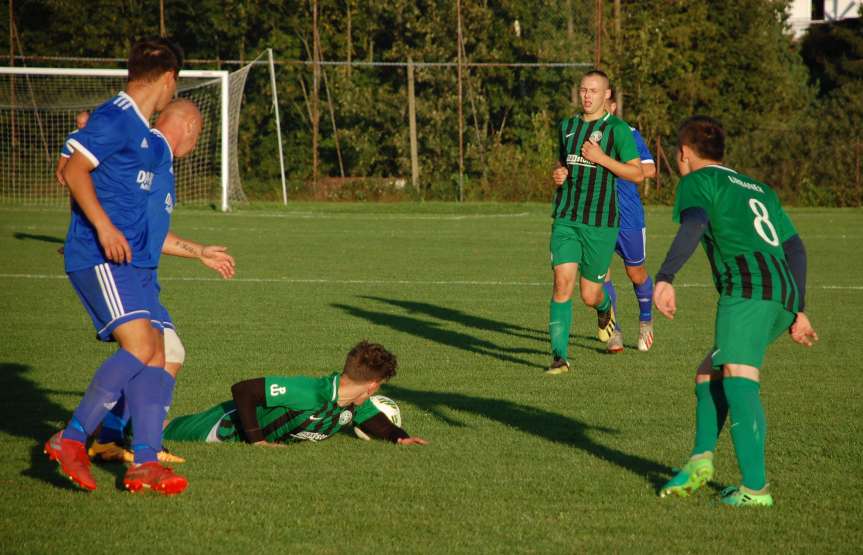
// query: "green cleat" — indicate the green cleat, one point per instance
point(694, 474)
point(733, 496)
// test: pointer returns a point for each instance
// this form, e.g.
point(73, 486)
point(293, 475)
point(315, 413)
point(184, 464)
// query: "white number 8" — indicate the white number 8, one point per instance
point(762, 221)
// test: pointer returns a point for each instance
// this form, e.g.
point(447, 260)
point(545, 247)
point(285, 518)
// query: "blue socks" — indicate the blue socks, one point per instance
point(145, 395)
point(644, 294)
point(168, 383)
point(102, 394)
point(611, 292)
point(114, 423)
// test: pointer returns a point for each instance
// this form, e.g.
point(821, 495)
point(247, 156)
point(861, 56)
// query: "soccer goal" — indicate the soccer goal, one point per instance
point(38, 107)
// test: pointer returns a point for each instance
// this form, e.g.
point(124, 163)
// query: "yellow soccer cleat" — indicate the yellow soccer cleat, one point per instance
point(606, 322)
point(110, 452)
point(166, 456)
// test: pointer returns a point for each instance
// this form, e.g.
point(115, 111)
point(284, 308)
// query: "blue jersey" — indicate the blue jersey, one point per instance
point(116, 141)
point(161, 202)
point(67, 150)
point(631, 209)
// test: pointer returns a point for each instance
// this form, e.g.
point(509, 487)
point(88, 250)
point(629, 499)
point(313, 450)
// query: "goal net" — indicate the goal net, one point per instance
point(38, 107)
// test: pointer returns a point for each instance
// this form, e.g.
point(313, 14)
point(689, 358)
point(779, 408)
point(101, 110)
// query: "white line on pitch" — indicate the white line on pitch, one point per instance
point(391, 281)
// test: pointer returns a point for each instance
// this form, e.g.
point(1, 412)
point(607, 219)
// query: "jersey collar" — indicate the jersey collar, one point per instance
point(600, 120)
point(721, 167)
point(168, 144)
point(135, 106)
point(335, 384)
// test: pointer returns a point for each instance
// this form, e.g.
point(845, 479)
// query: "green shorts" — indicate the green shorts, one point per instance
point(745, 328)
point(201, 426)
point(590, 247)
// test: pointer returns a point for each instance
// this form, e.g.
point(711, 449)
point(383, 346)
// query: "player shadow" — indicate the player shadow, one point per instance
point(434, 331)
point(27, 412)
point(487, 324)
point(538, 422)
point(33, 237)
point(463, 318)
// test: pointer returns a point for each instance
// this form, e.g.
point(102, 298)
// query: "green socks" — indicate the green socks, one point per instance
point(559, 324)
point(605, 303)
point(748, 429)
point(711, 408)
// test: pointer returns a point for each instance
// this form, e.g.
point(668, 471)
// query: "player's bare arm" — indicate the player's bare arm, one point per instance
point(215, 257)
point(77, 175)
point(58, 172)
point(631, 170)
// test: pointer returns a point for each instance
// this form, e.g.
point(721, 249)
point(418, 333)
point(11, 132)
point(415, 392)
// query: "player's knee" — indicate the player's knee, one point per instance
point(563, 286)
point(591, 296)
point(140, 342)
point(175, 352)
point(636, 274)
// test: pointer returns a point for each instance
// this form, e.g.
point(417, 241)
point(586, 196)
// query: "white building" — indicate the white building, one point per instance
point(803, 13)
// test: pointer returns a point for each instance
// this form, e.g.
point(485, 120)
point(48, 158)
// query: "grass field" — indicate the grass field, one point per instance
point(518, 461)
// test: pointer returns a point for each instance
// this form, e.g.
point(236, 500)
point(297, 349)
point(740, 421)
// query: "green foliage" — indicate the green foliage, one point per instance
point(734, 60)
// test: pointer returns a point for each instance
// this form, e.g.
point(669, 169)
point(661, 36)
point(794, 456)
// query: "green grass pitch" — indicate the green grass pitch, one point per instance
point(518, 461)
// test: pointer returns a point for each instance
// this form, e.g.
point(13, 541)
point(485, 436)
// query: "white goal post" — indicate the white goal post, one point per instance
point(38, 108)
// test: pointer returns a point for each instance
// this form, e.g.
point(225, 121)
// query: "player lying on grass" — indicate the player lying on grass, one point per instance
point(275, 410)
point(178, 128)
point(759, 269)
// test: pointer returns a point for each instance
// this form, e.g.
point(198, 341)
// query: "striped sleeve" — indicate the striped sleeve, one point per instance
point(103, 137)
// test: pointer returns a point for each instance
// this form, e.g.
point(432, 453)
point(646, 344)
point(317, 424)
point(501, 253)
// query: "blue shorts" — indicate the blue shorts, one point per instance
point(114, 294)
point(631, 246)
point(159, 315)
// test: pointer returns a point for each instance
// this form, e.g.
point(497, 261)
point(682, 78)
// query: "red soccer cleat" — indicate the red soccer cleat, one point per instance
point(154, 476)
point(73, 460)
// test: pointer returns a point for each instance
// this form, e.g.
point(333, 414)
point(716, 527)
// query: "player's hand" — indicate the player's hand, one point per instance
point(412, 441)
point(216, 257)
point(114, 243)
point(264, 443)
point(58, 171)
point(802, 332)
point(559, 175)
point(592, 151)
point(665, 299)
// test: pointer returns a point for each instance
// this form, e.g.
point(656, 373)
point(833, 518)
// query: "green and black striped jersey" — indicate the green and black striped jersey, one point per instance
point(589, 194)
point(298, 408)
point(744, 238)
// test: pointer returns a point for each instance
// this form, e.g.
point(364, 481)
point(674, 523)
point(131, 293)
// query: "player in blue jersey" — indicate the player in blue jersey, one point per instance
point(632, 248)
point(175, 135)
point(109, 176)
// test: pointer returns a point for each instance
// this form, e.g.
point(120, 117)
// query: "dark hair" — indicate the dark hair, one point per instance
point(612, 97)
point(598, 73)
point(368, 362)
point(704, 135)
point(151, 58)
